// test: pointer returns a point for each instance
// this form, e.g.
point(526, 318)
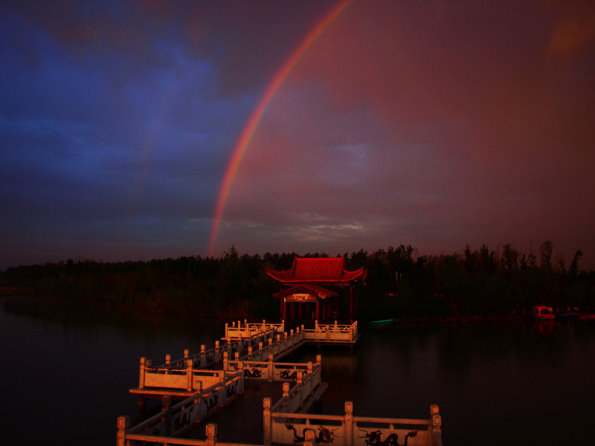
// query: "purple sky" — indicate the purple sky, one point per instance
point(434, 123)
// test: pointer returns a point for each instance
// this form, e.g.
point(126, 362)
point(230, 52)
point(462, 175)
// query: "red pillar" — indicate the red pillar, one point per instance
point(317, 310)
point(351, 304)
point(284, 308)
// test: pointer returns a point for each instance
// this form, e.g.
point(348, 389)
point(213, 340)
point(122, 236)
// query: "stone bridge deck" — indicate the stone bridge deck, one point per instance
point(249, 352)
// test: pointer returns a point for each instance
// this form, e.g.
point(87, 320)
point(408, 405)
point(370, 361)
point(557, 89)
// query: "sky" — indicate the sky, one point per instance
point(436, 124)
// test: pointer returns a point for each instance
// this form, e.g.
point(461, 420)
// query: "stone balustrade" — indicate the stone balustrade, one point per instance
point(286, 428)
point(247, 329)
point(332, 333)
point(175, 420)
point(269, 370)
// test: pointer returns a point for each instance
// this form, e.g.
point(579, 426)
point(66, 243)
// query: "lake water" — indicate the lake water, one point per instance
point(65, 374)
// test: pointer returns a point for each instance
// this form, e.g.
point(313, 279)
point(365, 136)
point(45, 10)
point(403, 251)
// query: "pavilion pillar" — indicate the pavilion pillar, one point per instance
point(300, 315)
point(292, 311)
point(283, 308)
point(351, 304)
point(317, 310)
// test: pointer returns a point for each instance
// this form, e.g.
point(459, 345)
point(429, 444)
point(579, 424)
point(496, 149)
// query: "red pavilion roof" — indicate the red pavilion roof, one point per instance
point(321, 270)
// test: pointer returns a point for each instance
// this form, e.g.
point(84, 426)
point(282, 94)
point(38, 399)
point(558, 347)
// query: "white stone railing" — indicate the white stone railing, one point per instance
point(176, 419)
point(124, 439)
point(247, 329)
point(190, 373)
point(338, 333)
point(287, 428)
point(208, 357)
point(294, 397)
point(269, 370)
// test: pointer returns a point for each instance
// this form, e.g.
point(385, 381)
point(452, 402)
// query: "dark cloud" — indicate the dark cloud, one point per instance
point(431, 123)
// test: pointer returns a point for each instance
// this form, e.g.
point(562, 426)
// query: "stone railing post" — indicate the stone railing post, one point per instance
point(236, 356)
point(141, 374)
point(249, 351)
point(226, 331)
point(216, 348)
point(260, 346)
point(211, 432)
point(165, 414)
point(309, 437)
point(186, 353)
point(318, 359)
point(271, 368)
point(225, 359)
point(348, 424)
point(267, 421)
point(202, 350)
point(316, 327)
point(167, 360)
point(285, 389)
point(189, 375)
point(122, 425)
point(436, 418)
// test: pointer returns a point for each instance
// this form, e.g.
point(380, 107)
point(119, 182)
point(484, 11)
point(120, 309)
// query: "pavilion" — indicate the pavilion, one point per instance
point(311, 288)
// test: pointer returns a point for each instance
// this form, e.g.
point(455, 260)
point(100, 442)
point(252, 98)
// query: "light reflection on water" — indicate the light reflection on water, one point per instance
point(66, 372)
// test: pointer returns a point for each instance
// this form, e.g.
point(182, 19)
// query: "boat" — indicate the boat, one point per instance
point(381, 323)
point(543, 313)
point(586, 317)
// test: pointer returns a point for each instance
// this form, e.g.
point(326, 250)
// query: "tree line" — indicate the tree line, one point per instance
point(400, 282)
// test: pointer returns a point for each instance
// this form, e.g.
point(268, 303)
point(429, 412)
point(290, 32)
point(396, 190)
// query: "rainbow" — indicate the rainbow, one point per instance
point(252, 124)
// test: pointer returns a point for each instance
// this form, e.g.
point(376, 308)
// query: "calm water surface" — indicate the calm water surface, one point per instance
point(65, 374)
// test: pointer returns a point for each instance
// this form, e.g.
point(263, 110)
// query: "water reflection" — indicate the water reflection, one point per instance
point(68, 370)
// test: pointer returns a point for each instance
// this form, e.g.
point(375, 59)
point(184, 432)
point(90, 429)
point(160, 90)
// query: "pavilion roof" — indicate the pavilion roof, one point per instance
point(329, 270)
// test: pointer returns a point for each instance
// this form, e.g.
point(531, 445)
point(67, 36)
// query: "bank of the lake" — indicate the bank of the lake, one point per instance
point(66, 374)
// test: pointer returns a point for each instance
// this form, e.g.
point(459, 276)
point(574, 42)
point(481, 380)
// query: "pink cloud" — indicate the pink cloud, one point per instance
point(435, 124)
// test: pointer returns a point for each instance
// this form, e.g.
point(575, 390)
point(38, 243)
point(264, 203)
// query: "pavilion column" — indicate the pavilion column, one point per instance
point(283, 308)
point(351, 304)
point(300, 315)
point(317, 310)
point(292, 311)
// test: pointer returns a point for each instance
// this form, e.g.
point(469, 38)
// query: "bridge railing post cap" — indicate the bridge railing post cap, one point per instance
point(434, 409)
point(211, 430)
point(122, 422)
point(266, 402)
point(349, 407)
point(310, 435)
